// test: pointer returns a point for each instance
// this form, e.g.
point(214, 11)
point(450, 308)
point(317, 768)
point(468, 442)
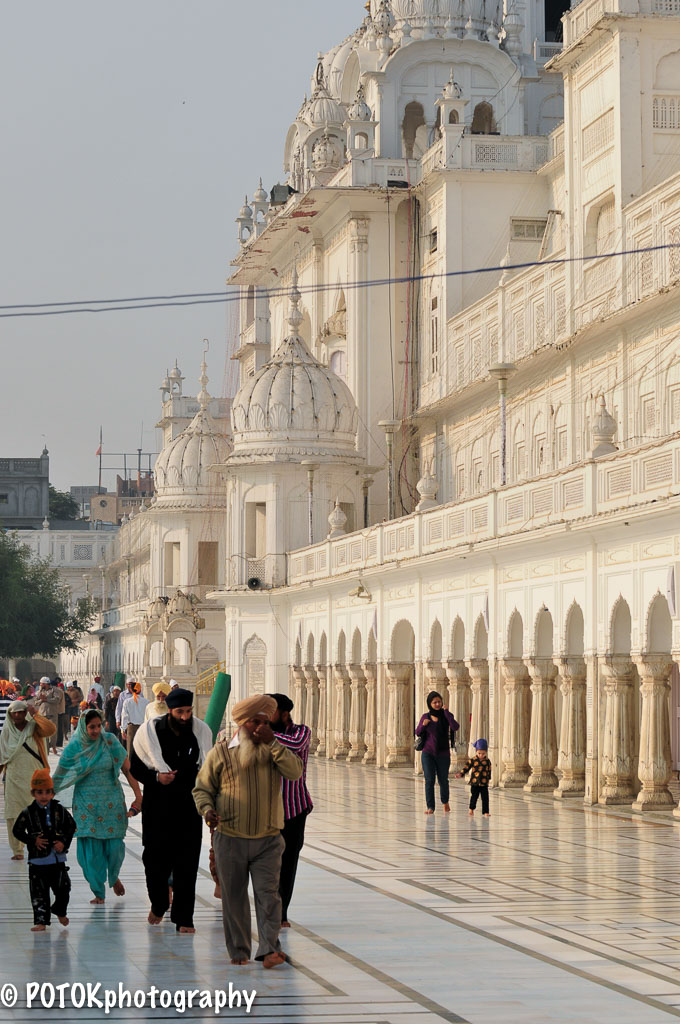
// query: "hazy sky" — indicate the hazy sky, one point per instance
point(130, 132)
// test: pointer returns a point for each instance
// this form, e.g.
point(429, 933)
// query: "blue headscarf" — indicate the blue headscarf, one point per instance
point(82, 755)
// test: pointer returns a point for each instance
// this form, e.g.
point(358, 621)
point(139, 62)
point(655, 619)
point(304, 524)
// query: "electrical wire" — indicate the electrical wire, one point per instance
point(204, 298)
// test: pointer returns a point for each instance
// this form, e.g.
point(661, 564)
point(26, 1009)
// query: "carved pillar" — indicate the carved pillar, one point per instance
point(543, 732)
point(357, 713)
point(322, 723)
point(460, 703)
point(516, 724)
point(299, 692)
point(479, 687)
point(571, 755)
point(370, 738)
point(342, 707)
point(399, 714)
point(654, 767)
point(617, 743)
point(312, 705)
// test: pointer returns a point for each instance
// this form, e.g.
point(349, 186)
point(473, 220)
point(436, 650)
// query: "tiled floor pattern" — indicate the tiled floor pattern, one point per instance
point(544, 913)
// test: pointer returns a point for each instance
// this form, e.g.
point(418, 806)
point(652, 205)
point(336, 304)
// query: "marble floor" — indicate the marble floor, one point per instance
point(544, 913)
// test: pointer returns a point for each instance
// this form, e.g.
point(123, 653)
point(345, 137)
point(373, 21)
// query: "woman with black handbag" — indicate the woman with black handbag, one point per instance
point(433, 732)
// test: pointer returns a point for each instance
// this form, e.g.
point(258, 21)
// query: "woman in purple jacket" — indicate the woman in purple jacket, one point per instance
point(435, 727)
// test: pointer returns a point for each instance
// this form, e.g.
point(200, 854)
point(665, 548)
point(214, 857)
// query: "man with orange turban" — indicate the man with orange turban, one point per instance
point(238, 792)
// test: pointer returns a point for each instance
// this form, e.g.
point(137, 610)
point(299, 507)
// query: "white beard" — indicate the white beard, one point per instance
point(247, 752)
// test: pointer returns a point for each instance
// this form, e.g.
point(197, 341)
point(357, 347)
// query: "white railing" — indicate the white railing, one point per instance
point(485, 152)
point(584, 15)
point(592, 488)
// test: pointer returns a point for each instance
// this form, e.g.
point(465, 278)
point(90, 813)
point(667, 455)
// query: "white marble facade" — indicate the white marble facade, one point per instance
point(536, 584)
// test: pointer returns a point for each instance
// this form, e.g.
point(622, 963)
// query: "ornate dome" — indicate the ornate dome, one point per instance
point(181, 470)
point(322, 109)
point(294, 408)
point(449, 15)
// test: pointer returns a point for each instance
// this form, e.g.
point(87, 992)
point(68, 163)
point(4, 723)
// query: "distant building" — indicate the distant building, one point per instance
point(131, 495)
point(82, 493)
point(24, 492)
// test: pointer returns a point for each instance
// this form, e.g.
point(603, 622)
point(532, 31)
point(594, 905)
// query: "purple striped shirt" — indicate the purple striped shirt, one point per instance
point(296, 798)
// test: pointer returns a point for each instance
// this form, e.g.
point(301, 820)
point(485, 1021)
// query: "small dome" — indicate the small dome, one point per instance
point(322, 109)
point(180, 604)
point(294, 408)
point(260, 195)
point(181, 470)
point(175, 373)
point(360, 110)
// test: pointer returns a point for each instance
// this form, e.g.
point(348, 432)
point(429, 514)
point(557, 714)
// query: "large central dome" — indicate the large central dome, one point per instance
point(294, 408)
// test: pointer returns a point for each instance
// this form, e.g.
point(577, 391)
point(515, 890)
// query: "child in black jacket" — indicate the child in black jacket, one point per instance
point(47, 829)
point(479, 767)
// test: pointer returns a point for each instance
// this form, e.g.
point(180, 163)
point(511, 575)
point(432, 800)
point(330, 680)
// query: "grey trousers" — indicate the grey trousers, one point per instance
point(235, 860)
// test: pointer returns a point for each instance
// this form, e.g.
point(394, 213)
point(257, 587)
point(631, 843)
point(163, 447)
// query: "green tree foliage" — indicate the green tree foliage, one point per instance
point(62, 505)
point(34, 606)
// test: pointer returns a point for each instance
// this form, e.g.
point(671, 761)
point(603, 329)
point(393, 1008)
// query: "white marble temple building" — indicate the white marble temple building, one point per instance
point(531, 569)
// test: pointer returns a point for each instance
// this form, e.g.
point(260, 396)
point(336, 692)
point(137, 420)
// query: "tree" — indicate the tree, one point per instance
point(34, 607)
point(62, 505)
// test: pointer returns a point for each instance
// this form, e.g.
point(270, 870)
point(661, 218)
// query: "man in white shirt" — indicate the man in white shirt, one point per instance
point(124, 696)
point(132, 715)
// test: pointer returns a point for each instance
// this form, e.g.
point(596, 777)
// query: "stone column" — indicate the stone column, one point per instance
point(654, 767)
point(299, 692)
point(322, 726)
point(543, 732)
point(571, 755)
point(516, 724)
point(479, 687)
point(357, 713)
point(312, 705)
point(617, 753)
point(460, 703)
point(370, 738)
point(399, 715)
point(342, 706)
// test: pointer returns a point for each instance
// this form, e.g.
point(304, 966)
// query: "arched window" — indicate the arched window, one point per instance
point(483, 122)
point(414, 117)
point(453, 117)
point(338, 364)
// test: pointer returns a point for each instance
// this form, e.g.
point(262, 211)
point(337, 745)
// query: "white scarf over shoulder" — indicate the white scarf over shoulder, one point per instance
point(148, 748)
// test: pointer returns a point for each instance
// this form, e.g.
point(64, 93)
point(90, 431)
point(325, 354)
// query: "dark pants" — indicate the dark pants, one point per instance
point(476, 791)
point(293, 833)
point(62, 729)
point(175, 855)
point(436, 765)
point(42, 880)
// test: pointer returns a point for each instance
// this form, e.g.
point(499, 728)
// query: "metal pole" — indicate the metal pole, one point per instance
point(501, 372)
point(311, 467)
point(389, 426)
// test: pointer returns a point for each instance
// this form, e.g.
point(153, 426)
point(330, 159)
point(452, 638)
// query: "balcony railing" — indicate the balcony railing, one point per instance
point(617, 482)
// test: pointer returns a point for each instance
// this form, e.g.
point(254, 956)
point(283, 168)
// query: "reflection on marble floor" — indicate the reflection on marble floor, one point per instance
point(545, 912)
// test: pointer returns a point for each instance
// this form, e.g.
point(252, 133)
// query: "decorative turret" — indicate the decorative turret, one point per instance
point(603, 431)
point(337, 521)
point(245, 222)
point(427, 488)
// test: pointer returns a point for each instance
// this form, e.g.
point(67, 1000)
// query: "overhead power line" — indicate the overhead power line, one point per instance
point(206, 298)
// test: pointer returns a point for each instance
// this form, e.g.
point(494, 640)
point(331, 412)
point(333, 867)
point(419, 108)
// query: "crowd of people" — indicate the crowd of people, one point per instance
point(249, 787)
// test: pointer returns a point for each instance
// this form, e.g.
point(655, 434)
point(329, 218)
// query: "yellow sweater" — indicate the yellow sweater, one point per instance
point(248, 801)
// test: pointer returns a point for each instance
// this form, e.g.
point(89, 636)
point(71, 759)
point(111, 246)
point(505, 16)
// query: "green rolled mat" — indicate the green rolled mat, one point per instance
point(119, 680)
point(218, 703)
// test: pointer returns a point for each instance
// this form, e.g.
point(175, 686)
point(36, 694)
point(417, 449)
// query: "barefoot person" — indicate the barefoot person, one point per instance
point(91, 762)
point(479, 767)
point(436, 727)
point(297, 803)
point(168, 751)
point(47, 829)
point(238, 792)
point(22, 750)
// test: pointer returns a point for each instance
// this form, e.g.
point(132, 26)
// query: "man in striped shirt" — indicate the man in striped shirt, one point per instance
point(297, 802)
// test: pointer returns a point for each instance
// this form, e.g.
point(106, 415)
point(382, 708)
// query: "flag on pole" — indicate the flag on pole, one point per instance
point(99, 451)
